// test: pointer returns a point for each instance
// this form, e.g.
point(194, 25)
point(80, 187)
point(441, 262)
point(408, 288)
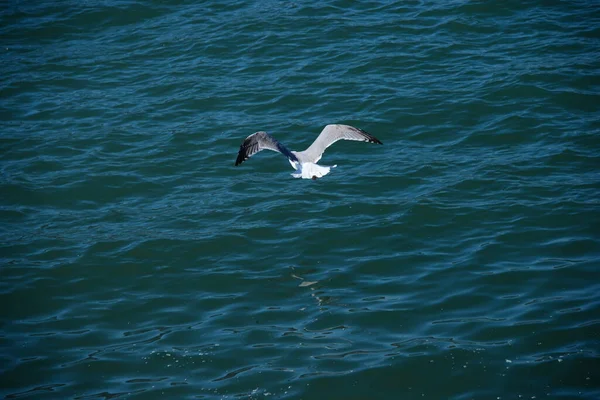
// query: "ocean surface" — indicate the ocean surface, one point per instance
point(459, 260)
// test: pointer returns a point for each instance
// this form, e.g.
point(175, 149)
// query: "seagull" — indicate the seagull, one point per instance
point(304, 162)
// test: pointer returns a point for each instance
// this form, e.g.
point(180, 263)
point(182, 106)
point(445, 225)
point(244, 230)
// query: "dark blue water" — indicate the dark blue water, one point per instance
point(458, 260)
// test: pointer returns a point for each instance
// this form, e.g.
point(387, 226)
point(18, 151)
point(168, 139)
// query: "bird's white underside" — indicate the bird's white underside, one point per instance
point(309, 170)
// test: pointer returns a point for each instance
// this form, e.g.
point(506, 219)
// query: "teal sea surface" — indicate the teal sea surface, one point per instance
point(459, 260)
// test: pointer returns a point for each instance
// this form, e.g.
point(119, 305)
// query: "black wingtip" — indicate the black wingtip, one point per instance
point(243, 152)
point(240, 159)
point(370, 137)
point(240, 156)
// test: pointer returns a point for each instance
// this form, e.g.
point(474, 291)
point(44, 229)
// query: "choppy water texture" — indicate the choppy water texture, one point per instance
point(458, 260)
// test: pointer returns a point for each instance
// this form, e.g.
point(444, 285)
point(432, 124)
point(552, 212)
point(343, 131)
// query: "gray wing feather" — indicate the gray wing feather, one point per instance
point(331, 134)
point(261, 141)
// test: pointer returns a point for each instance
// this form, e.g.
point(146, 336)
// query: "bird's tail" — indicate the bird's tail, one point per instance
point(312, 171)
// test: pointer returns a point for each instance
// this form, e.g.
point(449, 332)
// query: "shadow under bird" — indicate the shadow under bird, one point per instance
point(304, 162)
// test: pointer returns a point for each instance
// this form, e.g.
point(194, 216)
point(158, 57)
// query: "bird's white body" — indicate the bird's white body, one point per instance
point(308, 170)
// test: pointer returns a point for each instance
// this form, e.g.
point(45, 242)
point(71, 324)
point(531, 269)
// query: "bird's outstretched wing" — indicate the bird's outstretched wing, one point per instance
point(261, 141)
point(331, 134)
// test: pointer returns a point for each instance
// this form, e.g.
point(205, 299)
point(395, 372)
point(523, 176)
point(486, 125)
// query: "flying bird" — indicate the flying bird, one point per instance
point(304, 162)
